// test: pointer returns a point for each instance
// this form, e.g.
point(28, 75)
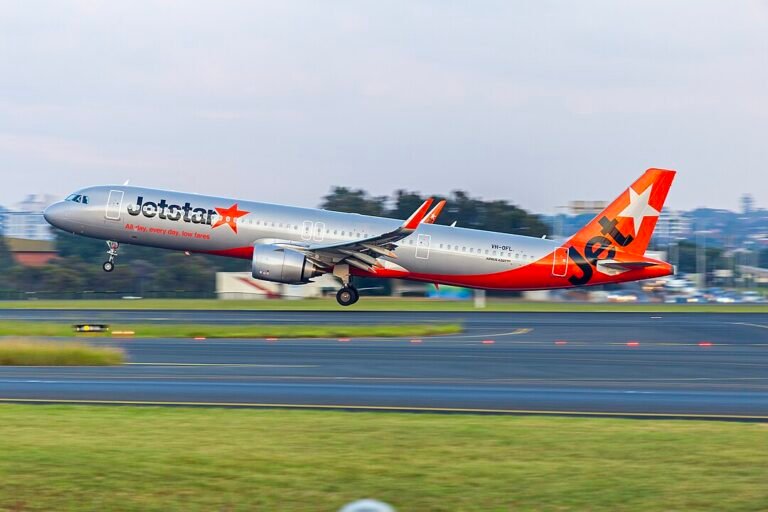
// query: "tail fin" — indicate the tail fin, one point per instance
point(631, 218)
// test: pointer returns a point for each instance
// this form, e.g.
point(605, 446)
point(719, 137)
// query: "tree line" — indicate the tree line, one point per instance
point(140, 272)
point(467, 211)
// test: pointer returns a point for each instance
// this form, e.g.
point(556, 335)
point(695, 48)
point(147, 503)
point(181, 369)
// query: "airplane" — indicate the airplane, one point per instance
point(293, 245)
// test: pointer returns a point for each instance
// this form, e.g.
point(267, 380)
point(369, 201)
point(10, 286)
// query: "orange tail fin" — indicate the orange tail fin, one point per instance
point(630, 220)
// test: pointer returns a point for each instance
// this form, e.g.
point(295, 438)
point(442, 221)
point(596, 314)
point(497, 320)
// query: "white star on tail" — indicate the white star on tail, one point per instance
point(639, 208)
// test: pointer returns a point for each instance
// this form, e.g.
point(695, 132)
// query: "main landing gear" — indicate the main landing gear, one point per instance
point(109, 265)
point(347, 295)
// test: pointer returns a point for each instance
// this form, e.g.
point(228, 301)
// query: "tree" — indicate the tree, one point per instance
point(6, 258)
point(86, 249)
point(495, 215)
point(184, 275)
point(342, 199)
point(405, 204)
point(469, 212)
point(62, 280)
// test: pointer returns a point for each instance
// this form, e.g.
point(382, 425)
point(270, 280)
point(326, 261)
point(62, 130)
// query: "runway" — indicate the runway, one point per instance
point(644, 365)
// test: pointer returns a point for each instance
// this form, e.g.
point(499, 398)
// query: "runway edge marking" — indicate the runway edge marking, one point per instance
point(531, 412)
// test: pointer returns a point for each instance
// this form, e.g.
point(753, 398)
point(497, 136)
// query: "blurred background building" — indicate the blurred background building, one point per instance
point(25, 219)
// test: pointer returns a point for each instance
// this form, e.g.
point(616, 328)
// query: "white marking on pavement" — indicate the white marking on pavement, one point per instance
point(759, 326)
point(235, 365)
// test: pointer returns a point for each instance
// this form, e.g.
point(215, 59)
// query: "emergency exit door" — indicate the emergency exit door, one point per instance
point(423, 243)
point(560, 263)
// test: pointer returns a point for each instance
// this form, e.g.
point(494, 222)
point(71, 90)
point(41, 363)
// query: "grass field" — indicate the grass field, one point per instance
point(44, 329)
point(26, 352)
point(68, 458)
point(379, 304)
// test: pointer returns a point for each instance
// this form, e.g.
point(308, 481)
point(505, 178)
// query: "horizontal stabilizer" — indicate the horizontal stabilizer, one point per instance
point(613, 267)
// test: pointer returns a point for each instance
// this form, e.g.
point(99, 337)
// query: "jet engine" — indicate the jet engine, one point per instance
point(273, 263)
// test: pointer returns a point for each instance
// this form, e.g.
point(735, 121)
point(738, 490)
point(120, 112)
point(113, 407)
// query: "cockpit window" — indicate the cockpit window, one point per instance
point(77, 198)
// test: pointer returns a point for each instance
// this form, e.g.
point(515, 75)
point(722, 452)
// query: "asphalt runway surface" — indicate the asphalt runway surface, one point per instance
point(624, 364)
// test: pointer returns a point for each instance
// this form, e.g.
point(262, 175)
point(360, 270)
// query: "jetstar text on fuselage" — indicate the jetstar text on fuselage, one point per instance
point(173, 212)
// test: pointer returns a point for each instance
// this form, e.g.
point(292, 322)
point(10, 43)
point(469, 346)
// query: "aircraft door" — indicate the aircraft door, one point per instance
point(423, 243)
point(306, 231)
point(319, 231)
point(114, 204)
point(560, 262)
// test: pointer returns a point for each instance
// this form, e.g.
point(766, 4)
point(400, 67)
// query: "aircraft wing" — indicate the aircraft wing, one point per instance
point(362, 253)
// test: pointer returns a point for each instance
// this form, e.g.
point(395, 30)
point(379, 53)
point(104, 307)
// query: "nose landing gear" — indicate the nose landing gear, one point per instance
point(109, 265)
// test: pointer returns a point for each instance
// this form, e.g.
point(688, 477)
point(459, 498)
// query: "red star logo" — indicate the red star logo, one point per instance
point(229, 216)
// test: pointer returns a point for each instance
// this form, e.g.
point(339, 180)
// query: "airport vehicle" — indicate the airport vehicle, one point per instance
point(293, 245)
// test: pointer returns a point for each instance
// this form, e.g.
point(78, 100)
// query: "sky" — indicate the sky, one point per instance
point(537, 103)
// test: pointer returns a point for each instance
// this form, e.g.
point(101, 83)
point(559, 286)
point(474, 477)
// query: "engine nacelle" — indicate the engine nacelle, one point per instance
point(273, 263)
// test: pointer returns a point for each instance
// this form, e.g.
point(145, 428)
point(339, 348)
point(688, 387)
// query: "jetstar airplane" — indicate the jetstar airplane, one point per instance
point(293, 245)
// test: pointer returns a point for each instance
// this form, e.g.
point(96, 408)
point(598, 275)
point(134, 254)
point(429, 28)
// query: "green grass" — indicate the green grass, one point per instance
point(42, 329)
point(41, 353)
point(72, 458)
point(379, 304)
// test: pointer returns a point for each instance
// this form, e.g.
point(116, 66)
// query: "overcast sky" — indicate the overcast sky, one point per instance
point(534, 102)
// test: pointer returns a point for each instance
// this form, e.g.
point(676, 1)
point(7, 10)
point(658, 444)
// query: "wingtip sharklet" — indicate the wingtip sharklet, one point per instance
point(414, 220)
point(432, 216)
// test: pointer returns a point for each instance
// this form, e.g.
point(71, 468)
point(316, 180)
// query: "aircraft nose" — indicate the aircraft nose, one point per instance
point(56, 213)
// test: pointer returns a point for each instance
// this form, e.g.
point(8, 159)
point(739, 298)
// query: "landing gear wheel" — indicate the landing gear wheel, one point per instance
point(347, 296)
point(109, 265)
